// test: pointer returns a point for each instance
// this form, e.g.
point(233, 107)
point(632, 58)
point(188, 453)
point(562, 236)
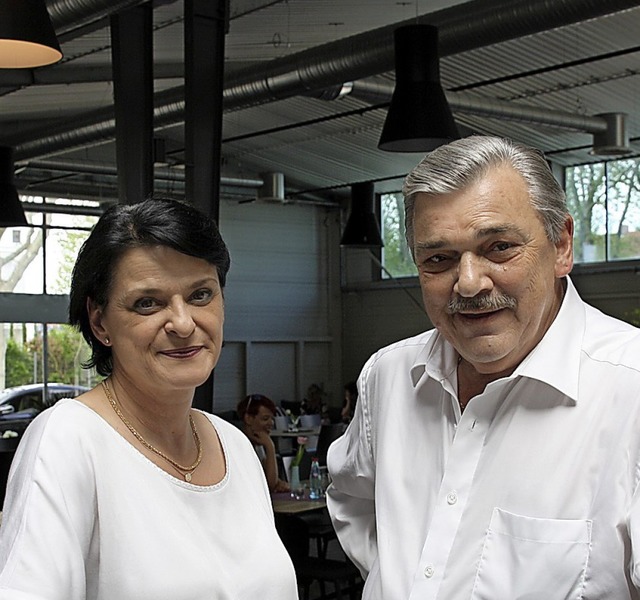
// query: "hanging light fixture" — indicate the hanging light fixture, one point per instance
point(419, 118)
point(11, 211)
point(362, 229)
point(27, 37)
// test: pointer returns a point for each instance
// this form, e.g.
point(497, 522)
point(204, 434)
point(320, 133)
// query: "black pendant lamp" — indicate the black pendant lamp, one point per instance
point(419, 118)
point(27, 37)
point(11, 211)
point(362, 229)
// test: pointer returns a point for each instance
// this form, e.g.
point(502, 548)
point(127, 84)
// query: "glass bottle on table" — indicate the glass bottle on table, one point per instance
point(315, 481)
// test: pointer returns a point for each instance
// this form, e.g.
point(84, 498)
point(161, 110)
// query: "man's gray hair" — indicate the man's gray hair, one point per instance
point(452, 167)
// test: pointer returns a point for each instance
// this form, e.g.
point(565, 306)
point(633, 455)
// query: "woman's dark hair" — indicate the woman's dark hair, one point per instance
point(251, 405)
point(352, 388)
point(152, 222)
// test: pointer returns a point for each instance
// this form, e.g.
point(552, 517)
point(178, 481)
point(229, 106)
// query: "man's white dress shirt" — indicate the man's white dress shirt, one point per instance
point(531, 493)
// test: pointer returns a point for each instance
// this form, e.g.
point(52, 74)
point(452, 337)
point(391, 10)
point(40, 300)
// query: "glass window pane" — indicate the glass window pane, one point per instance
point(63, 243)
point(67, 351)
point(20, 355)
point(21, 259)
point(395, 254)
point(586, 200)
point(22, 346)
point(623, 209)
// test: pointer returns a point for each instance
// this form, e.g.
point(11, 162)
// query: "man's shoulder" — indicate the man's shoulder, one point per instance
point(407, 348)
point(611, 340)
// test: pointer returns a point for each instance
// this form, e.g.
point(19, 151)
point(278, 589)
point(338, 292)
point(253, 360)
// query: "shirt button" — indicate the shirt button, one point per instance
point(429, 571)
point(452, 498)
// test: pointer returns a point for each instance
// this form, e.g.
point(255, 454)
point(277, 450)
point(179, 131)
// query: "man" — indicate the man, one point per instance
point(496, 457)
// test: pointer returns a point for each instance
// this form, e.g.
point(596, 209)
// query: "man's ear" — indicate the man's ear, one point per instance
point(95, 314)
point(564, 249)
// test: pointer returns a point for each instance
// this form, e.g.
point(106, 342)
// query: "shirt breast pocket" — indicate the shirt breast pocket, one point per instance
point(530, 558)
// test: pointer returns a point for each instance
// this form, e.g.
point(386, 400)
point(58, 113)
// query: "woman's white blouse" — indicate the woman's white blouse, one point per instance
point(87, 516)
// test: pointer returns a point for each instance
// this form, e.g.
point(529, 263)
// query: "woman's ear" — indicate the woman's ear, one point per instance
point(95, 314)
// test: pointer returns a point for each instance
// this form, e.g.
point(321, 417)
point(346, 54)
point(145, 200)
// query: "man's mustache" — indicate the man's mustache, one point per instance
point(481, 303)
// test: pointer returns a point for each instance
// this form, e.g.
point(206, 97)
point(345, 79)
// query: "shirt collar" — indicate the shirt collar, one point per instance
point(554, 361)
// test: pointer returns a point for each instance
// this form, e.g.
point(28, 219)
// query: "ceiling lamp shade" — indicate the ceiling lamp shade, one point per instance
point(27, 37)
point(362, 229)
point(419, 118)
point(11, 211)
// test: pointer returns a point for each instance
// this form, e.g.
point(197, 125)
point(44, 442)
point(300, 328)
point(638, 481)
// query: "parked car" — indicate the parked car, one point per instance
point(19, 405)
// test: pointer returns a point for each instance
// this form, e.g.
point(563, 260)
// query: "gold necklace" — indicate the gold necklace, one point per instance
point(184, 471)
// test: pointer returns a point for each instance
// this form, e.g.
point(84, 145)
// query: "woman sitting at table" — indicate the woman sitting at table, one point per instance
point(126, 491)
point(256, 413)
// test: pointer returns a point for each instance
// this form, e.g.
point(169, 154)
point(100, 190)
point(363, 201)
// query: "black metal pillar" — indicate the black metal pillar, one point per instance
point(132, 58)
point(205, 25)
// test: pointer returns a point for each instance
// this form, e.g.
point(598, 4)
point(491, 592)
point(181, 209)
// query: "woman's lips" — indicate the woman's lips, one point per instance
point(182, 352)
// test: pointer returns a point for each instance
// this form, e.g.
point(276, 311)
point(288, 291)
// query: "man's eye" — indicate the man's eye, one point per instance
point(502, 246)
point(436, 263)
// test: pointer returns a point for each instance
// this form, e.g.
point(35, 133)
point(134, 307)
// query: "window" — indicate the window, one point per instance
point(604, 200)
point(396, 257)
point(38, 260)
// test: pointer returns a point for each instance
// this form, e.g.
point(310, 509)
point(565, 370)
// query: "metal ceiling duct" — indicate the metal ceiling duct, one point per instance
point(610, 133)
point(68, 15)
point(472, 25)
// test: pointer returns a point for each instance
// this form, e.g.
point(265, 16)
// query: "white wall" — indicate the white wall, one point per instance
point(282, 303)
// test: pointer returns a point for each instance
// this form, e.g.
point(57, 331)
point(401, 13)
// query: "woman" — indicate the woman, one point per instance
point(349, 403)
point(126, 491)
point(257, 412)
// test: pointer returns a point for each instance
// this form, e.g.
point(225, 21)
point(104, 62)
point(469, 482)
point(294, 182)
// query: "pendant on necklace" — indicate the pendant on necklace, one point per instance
point(187, 477)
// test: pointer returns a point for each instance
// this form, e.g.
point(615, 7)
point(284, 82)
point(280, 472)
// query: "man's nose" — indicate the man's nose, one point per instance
point(473, 276)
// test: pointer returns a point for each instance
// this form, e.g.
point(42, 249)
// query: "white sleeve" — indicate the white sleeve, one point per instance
point(350, 497)
point(43, 540)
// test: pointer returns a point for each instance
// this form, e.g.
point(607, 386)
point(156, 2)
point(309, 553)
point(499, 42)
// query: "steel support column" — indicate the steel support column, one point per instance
point(205, 26)
point(132, 53)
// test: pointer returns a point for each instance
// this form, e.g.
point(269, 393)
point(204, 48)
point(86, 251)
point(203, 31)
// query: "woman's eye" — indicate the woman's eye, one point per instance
point(145, 304)
point(202, 296)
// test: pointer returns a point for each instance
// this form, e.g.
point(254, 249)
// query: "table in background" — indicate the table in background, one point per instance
point(284, 504)
point(276, 433)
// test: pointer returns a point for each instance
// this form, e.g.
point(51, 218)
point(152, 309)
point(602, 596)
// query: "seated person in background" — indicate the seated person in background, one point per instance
point(314, 403)
point(256, 412)
point(350, 399)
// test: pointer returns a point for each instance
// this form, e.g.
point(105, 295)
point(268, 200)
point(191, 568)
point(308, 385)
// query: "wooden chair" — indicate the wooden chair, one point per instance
point(342, 574)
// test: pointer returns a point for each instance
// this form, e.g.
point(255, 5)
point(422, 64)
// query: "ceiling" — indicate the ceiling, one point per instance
point(537, 71)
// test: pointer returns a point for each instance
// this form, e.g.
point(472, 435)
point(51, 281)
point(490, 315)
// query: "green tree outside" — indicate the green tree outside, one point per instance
point(397, 257)
point(19, 364)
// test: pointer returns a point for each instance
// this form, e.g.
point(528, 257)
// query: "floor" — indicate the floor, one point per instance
point(334, 551)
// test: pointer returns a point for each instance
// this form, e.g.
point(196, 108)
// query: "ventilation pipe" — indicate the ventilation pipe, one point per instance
point(614, 141)
point(272, 190)
point(610, 132)
point(483, 22)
